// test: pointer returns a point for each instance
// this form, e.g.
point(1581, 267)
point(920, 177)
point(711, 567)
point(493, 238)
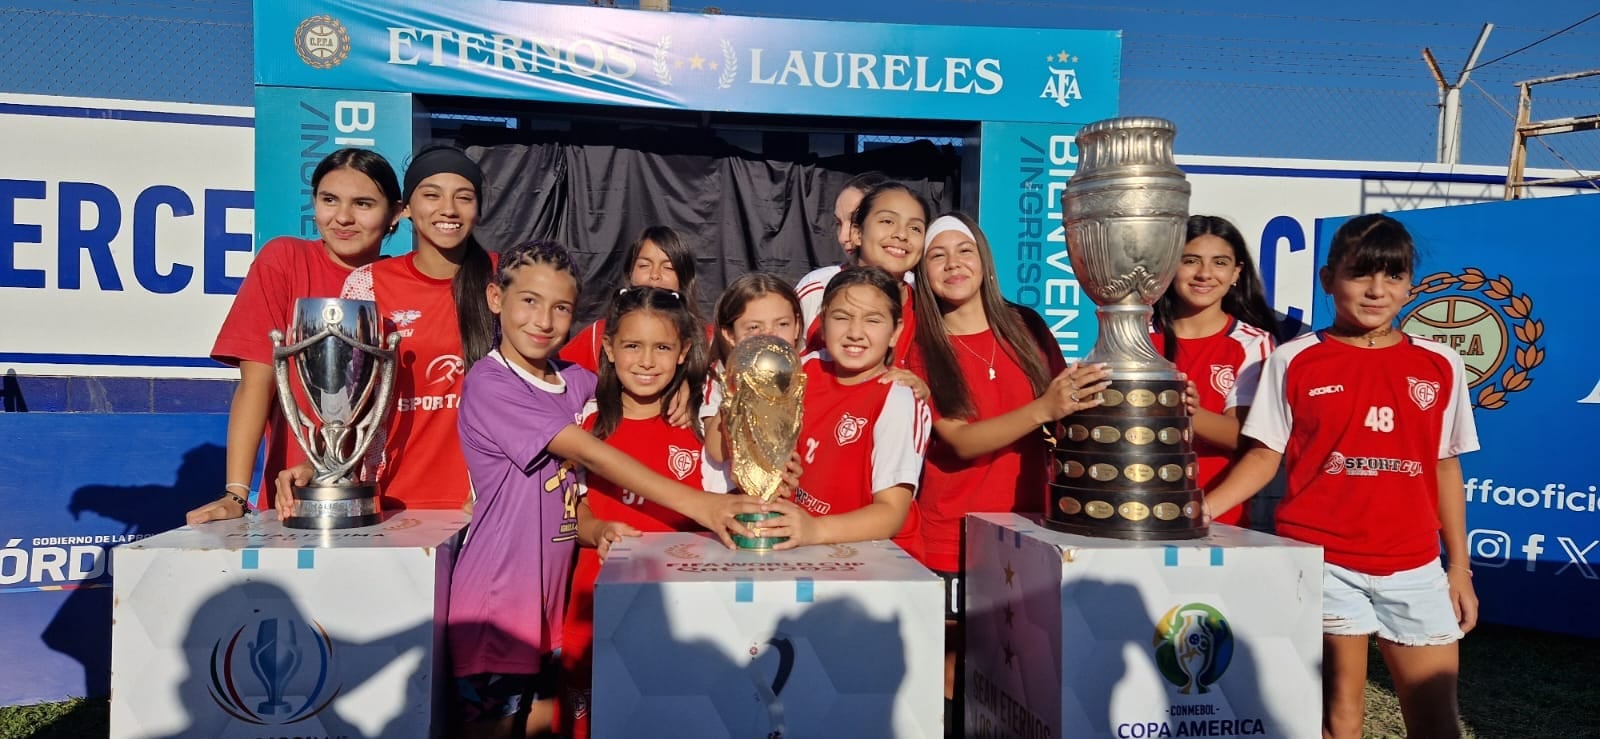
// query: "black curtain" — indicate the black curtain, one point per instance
point(596, 191)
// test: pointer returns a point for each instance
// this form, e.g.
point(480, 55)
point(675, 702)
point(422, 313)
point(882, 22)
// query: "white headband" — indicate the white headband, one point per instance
point(947, 223)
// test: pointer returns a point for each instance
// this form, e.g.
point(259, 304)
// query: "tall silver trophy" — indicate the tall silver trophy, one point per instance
point(344, 369)
point(1126, 469)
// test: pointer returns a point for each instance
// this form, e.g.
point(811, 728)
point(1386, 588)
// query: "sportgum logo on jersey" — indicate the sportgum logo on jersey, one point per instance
point(1369, 466)
point(849, 429)
point(445, 369)
point(1486, 321)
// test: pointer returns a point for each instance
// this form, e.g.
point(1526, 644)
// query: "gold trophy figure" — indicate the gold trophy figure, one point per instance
point(761, 418)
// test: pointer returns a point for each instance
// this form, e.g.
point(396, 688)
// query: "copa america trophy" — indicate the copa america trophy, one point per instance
point(347, 379)
point(761, 418)
point(1126, 469)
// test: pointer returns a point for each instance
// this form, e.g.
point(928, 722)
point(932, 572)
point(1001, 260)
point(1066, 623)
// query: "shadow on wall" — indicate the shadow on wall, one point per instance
point(81, 629)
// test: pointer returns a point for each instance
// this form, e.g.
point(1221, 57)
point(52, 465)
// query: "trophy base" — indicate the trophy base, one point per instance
point(326, 507)
point(1134, 516)
point(757, 543)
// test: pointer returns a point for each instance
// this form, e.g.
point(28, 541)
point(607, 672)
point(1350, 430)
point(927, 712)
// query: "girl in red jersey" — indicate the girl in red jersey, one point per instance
point(997, 378)
point(355, 204)
point(888, 229)
point(1215, 324)
point(1370, 422)
point(653, 348)
point(658, 258)
point(861, 442)
point(434, 297)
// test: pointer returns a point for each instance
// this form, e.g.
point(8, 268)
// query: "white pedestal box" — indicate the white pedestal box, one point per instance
point(693, 639)
point(244, 629)
point(1074, 636)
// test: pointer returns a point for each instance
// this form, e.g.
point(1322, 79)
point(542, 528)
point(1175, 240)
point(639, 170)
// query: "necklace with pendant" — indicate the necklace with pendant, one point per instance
point(989, 361)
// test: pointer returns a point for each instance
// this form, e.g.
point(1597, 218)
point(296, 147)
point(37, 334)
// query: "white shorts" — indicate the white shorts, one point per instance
point(1411, 608)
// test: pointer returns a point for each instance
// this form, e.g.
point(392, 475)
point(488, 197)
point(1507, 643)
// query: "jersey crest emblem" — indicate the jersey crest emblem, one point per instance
point(1222, 378)
point(1423, 392)
point(681, 461)
point(850, 428)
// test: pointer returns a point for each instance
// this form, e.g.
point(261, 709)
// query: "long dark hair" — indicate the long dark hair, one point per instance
point(1245, 301)
point(874, 277)
point(473, 317)
point(689, 376)
point(859, 219)
point(671, 243)
point(740, 292)
point(367, 162)
point(947, 385)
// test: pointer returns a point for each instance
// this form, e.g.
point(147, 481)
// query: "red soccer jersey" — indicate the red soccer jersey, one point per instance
point(1225, 368)
point(1362, 432)
point(1011, 479)
point(810, 290)
point(856, 440)
point(421, 465)
point(671, 452)
point(286, 269)
point(584, 349)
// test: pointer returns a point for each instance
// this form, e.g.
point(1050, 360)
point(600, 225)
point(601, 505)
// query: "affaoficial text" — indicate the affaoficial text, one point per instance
point(1198, 727)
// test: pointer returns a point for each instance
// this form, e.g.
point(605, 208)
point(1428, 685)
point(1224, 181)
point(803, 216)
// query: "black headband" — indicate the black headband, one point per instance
point(438, 160)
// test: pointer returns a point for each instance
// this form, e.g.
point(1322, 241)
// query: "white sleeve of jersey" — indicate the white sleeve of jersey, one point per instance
point(899, 440)
point(810, 289)
point(1270, 418)
point(712, 405)
point(714, 478)
point(1248, 375)
point(1459, 433)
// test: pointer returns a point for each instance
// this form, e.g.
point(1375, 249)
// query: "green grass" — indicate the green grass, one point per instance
point(1515, 684)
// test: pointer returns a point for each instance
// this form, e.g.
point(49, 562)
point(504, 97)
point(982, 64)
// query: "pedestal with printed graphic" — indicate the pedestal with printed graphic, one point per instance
point(246, 629)
point(1074, 636)
point(693, 639)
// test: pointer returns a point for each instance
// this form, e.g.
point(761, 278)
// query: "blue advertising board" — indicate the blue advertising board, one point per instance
point(1494, 285)
point(684, 61)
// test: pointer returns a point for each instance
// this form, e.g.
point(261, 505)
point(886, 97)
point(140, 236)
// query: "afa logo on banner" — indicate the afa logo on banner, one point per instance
point(1485, 319)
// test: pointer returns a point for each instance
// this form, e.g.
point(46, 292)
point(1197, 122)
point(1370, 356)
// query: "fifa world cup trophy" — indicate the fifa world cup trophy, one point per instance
point(334, 360)
point(761, 418)
point(1126, 469)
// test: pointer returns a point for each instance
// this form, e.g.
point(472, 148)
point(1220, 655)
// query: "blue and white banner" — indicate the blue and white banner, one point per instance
point(568, 54)
point(1496, 284)
point(1024, 168)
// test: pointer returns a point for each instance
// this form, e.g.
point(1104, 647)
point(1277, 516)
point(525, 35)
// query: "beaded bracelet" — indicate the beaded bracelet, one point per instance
point(241, 501)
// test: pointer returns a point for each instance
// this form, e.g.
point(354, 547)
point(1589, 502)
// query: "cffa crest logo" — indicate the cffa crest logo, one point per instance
point(1062, 84)
point(273, 671)
point(322, 42)
point(1222, 378)
point(1194, 645)
point(1487, 322)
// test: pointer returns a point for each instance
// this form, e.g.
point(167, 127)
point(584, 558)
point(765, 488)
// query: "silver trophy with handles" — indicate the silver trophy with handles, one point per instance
point(344, 369)
point(1126, 469)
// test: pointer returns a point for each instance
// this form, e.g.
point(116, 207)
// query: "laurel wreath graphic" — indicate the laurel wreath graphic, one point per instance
point(1519, 307)
point(663, 72)
point(730, 66)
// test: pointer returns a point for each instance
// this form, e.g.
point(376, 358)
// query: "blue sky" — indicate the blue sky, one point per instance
point(1337, 80)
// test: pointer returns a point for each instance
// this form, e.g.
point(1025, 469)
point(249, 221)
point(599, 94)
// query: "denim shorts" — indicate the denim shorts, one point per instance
point(1411, 608)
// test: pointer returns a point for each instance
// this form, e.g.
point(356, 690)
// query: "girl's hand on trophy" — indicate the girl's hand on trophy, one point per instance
point(1191, 397)
point(792, 522)
point(297, 476)
point(715, 512)
point(907, 378)
point(792, 470)
point(1076, 388)
point(610, 533)
point(679, 414)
